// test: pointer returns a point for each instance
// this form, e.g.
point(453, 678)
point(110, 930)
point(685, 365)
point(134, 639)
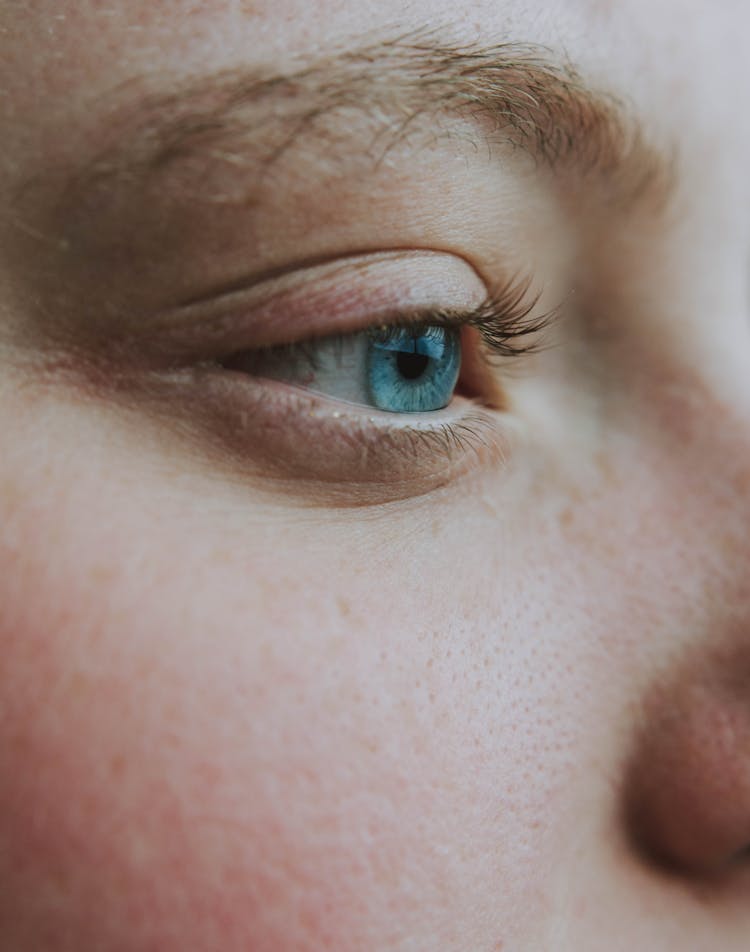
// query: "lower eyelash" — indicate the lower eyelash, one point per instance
point(471, 435)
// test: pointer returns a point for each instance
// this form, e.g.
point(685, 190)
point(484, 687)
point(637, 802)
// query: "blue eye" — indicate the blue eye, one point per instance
point(397, 369)
point(413, 371)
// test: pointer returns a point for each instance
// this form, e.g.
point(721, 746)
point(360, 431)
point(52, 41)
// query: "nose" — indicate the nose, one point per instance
point(687, 784)
point(688, 796)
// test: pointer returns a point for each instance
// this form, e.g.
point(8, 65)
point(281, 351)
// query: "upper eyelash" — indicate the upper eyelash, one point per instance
point(505, 320)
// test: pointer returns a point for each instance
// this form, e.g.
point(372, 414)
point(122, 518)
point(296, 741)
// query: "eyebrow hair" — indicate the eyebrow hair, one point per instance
point(519, 95)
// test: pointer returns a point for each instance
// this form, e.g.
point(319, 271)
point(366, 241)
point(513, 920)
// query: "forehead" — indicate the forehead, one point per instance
point(66, 59)
point(149, 36)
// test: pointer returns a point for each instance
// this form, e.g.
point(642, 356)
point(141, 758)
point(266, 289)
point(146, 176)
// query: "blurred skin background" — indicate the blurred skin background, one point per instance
point(284, 672)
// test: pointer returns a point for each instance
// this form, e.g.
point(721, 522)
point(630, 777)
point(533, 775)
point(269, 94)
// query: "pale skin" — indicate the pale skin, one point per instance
point(279, 675)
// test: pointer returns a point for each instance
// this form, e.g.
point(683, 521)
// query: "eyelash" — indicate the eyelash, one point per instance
point(504, 321)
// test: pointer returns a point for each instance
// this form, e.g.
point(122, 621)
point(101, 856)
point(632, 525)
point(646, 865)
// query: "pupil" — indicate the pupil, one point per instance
point(411, 366)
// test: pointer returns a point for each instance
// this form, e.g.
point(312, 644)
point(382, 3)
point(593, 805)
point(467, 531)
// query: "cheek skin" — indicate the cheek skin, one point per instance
point(163, 780)
point(204, 749)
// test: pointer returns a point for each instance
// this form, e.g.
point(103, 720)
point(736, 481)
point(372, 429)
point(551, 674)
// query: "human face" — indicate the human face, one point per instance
point(281, 671)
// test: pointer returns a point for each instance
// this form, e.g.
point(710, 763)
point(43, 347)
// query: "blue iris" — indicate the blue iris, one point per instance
point(413, 370)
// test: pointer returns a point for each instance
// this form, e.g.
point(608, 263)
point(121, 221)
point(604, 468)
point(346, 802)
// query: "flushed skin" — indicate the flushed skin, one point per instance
point(279, 700)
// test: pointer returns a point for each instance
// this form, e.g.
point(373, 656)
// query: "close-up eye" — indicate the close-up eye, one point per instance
point(399, 369)
point(400, 361)
point(386, 368)
point(357, 372)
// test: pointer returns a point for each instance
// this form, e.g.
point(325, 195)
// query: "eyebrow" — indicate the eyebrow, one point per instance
point(519, 97)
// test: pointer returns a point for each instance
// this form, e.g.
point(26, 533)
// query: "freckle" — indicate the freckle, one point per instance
point(209, 774)
point(101, 574)
point(606, 467)
point(576, 494)
point(10, 492)
point(59, 880)
point(489, 504)
point(77, 685)
point(344, 607)
point(566, 517)
point(743, 483)
point(117, 766)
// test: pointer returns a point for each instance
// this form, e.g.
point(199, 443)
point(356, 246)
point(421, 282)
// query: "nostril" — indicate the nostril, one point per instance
point(687, 796)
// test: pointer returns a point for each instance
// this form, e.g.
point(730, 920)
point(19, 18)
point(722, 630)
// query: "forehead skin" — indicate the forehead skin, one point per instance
point(231, 721)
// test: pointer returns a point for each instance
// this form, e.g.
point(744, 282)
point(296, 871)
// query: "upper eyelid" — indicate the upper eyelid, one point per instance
point(344, 295)
point(338, 296)
point(505, 321)
point(363, 292)
point(506, 324)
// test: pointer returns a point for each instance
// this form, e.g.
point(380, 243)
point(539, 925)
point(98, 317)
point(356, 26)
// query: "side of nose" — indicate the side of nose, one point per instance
point(688, 791)
point(685, 798)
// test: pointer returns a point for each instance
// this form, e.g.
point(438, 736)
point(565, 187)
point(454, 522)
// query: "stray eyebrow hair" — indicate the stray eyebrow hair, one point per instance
point(518, 95)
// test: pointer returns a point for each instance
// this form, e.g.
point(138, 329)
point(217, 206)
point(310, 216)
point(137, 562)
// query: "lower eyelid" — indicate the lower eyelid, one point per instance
point(272, 430)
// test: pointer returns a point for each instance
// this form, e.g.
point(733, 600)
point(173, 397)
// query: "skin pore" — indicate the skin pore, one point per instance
point(284, 673)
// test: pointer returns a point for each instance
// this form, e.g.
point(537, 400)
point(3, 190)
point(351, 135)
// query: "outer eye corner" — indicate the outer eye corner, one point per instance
point(479, 379)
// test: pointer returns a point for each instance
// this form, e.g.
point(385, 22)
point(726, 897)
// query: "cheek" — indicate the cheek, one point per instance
point(227, 739)
point(170, 765)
